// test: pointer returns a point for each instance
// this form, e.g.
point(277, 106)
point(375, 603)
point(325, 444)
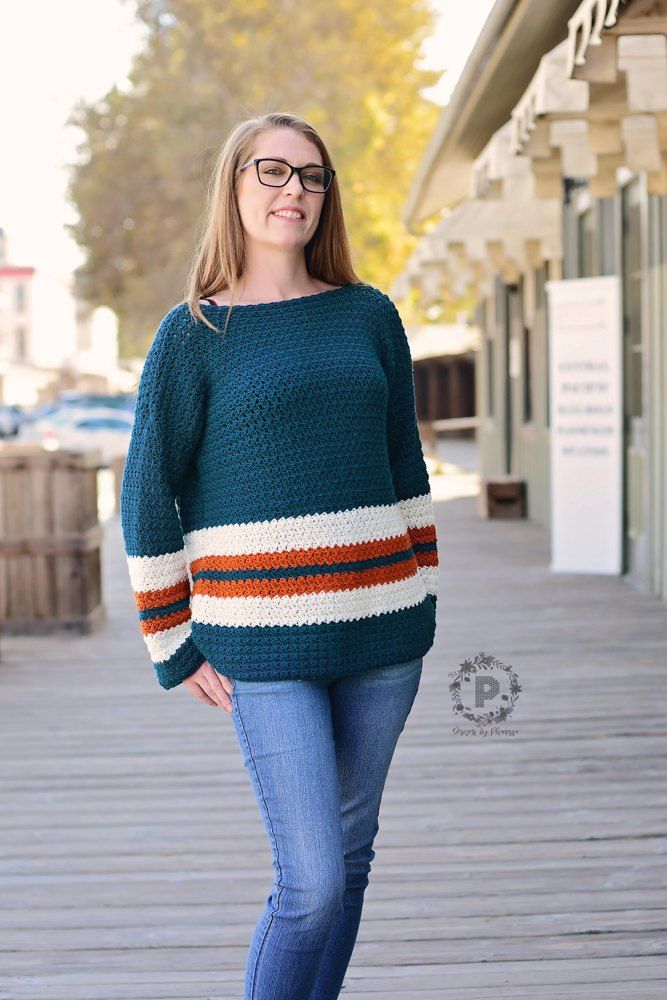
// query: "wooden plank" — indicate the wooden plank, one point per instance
point(542, 852)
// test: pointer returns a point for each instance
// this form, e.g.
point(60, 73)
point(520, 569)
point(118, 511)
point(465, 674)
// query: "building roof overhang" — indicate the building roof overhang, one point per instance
point(500, 66)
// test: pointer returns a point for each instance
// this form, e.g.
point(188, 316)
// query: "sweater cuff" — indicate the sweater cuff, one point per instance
point(184, 662)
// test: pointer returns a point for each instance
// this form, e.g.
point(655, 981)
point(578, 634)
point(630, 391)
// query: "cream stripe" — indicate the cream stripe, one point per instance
point(156, 572)
point(418, 512)
point(346, 527)
point(309, 609)
point(429, 575)
point(162, 645)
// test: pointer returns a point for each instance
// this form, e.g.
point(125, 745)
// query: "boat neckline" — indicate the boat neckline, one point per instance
point(277, 302)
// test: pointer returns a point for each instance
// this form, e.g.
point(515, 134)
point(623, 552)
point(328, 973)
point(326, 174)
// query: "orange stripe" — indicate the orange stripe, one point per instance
point(317, 556)
point(427, 558)
point(160, 624)
point(426, 534)
point(307, 584)
point(147, 600)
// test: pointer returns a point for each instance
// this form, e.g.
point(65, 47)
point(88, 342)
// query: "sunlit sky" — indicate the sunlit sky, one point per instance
point(52, 54)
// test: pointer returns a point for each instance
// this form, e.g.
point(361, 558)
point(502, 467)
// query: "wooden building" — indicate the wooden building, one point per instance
point(550, 165)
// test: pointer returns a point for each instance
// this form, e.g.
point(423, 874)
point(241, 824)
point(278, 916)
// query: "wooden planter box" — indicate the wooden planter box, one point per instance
point(503, 497)
point(50, 540)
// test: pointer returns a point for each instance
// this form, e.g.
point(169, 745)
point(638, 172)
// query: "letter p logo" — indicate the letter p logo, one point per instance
point(486, 689)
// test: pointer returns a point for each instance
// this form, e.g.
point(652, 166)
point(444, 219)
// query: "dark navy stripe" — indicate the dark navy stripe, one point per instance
point(168, 609)
point(425, 547)
point(287, 572)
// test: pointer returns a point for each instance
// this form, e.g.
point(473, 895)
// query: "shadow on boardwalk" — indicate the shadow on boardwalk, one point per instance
point(134, 860)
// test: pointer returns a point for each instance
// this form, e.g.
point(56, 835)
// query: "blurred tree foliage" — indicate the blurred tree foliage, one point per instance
point(138, 186)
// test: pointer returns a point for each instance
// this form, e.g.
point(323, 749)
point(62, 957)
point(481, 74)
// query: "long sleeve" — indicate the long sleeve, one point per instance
point(168, 421)
point(406, 457)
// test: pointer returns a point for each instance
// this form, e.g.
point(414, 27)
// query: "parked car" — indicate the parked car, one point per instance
point(79, 400)
point(82, 428)
point(48, 418)
point(34, 413)
point(10, 420)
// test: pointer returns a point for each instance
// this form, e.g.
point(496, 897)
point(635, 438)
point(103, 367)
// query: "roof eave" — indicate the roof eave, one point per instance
point(515, 36)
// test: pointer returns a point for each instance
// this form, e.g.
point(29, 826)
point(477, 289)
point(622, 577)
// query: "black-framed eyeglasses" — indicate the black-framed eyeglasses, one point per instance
point(278, 173)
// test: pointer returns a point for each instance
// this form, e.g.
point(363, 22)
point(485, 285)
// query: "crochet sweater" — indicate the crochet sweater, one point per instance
point(275, 502)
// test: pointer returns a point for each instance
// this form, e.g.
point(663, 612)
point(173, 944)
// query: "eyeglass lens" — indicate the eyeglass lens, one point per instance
point(275, 173)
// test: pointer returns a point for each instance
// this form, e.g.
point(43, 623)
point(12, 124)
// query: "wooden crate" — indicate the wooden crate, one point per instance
point(50, 540)
point(503, 497)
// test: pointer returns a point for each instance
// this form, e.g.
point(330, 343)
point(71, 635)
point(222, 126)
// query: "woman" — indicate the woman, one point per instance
point(279, 531)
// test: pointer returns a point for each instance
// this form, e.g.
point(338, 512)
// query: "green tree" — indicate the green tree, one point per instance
point(138, 185)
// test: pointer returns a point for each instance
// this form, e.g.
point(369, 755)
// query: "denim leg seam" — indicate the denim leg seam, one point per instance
point(275, 844)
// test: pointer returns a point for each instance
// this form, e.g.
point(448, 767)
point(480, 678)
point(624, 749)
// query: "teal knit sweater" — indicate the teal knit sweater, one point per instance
point(275, 503)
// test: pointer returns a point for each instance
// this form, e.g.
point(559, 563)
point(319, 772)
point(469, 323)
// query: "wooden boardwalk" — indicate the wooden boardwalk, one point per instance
point(133, 858)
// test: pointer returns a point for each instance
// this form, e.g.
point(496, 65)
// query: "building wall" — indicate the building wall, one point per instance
point(592, 121)
point(512, 388)
point(627, 234)
point(490, 388)
point(16, 314)
point(532, 398)
point(657, 376)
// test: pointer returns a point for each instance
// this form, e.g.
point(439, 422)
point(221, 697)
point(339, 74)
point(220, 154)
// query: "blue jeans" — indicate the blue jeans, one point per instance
point(317, 753)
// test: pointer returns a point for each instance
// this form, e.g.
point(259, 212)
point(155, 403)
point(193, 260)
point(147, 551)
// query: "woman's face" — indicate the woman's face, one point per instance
point(257, 202)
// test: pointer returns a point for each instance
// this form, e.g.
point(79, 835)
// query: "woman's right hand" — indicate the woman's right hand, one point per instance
point(210, 686)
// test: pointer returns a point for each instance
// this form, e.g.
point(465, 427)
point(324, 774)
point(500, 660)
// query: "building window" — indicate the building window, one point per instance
point(632, 298)
point(21, 344)
point(490, 372)
point(586, 243)
point(541, 278)
point(19, 298)
point(527, 375)
point(657, 241)
point(485, 321)
point(607, 235)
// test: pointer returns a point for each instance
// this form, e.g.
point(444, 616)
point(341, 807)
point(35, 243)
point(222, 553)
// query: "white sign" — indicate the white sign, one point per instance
point(585, 387)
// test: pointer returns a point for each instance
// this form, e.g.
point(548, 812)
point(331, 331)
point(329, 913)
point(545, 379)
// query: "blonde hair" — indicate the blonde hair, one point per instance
point(220, 257)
